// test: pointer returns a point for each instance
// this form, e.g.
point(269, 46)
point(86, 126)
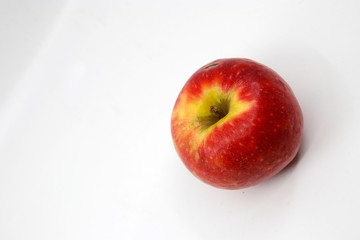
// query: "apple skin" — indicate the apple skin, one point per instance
point(258, 137)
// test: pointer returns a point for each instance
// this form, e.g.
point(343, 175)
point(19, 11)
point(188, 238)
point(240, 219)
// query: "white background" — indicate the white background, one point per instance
point(86, 93)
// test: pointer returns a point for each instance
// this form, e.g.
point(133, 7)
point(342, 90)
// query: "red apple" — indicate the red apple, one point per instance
point(236, 123)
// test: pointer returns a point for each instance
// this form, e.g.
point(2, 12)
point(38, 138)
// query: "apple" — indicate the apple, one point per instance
point(236, 123)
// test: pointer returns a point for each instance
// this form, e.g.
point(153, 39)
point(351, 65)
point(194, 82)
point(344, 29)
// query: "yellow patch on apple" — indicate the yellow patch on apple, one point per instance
point(212, 109)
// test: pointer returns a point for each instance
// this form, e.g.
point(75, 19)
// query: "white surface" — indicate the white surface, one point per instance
point(86, 93)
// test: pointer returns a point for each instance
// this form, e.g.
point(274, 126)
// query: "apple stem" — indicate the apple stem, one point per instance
point(214, 109)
